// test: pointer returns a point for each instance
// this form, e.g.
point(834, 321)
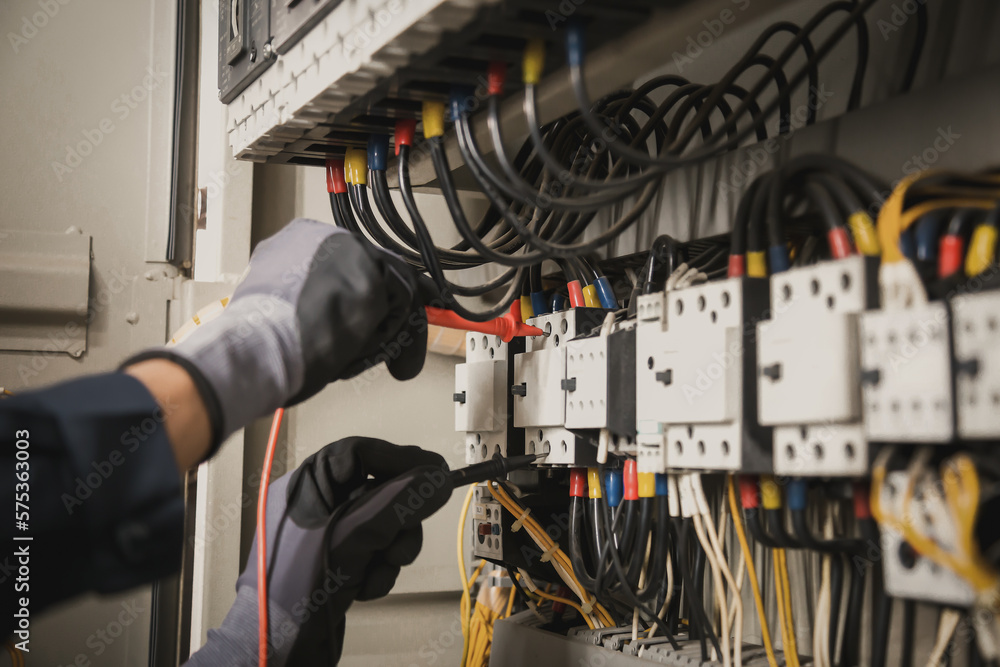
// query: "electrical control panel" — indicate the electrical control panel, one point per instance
point(976, 330)
point(695, 361)
point(483, 407)
point(906, 374)
point(808, 371)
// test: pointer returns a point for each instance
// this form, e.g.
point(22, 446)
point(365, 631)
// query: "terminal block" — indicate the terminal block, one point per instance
point(907, 573)
point(539, 387)
point(487, 525)
point(483, 405)
point(906, 375)
point(976, 331)
point(808, 373)
point(695, 377)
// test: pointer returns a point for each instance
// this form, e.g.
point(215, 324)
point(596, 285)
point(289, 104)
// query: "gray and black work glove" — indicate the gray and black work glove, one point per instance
point(339, 529)
point(317, 304)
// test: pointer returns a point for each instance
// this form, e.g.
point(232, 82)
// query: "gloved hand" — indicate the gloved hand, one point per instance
point(317, 304)
point(334, 536)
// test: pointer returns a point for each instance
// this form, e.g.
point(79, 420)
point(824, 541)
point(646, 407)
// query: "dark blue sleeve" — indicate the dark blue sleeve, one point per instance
point(104, 496)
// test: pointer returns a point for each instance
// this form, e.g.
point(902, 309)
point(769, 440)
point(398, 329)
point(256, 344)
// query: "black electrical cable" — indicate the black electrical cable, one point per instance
point(754, 521)
point(909, 633)
point(575, 537)
point(918, 47)
point(646, 509)
point(851, 638)
point(776, 529)
point(658, 552)
point(338, 215)
point(344, 203)
point(669, 158)
point(881, 619)
point(431, 258)
point(605, 516)
point(549, 251)
point(694, 600)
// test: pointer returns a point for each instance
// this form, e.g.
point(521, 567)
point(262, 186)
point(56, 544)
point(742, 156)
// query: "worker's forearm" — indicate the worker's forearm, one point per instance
point(184, 413)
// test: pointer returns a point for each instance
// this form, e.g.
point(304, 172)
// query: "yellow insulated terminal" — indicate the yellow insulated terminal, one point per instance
point(433, 118)
point(590, 297)
point(756, 264)
point(770, 493)
point(981, 249)
point(647, 485)
point(863, 230)
point(534, 61)
point(526, 309)
point(594, 483)
point(356, 166)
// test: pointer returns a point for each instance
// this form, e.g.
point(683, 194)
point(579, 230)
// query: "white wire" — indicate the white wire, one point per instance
point(946, 628)
point(723, 564)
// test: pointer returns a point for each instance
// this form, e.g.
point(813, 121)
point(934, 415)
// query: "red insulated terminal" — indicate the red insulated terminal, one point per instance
point(840, 243)
point(335, 176)
point(737, 266)
point(950, 254)
point(862, 508)
point(576, 298)
point(485, 529)
point(749, 497)
point(496, 76)
point(560, 607)
point(578, 483)
point(406, 128)
point(631, 480)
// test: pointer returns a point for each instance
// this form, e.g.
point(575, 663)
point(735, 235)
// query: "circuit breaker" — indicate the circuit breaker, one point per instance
point(976, 330)
point(808, 371)
point(695, 389)
point(907, 374)
point(482, 399)
point(244, 44)
point(539, 388)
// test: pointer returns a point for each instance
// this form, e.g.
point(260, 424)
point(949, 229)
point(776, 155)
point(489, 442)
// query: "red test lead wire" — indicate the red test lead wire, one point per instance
point(265, 480)
point(507, 327)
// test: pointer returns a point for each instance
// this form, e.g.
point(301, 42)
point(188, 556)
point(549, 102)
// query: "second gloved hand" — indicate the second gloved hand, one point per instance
point(340, 528)
point(317, 304)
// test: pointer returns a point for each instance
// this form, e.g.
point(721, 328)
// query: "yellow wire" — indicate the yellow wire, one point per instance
point(970, 567)
point(793, 659)
point(464, 605)
point(559, 556)
point(892, 221)
point(752, 573)
point(556, 598)
point(510, 601)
